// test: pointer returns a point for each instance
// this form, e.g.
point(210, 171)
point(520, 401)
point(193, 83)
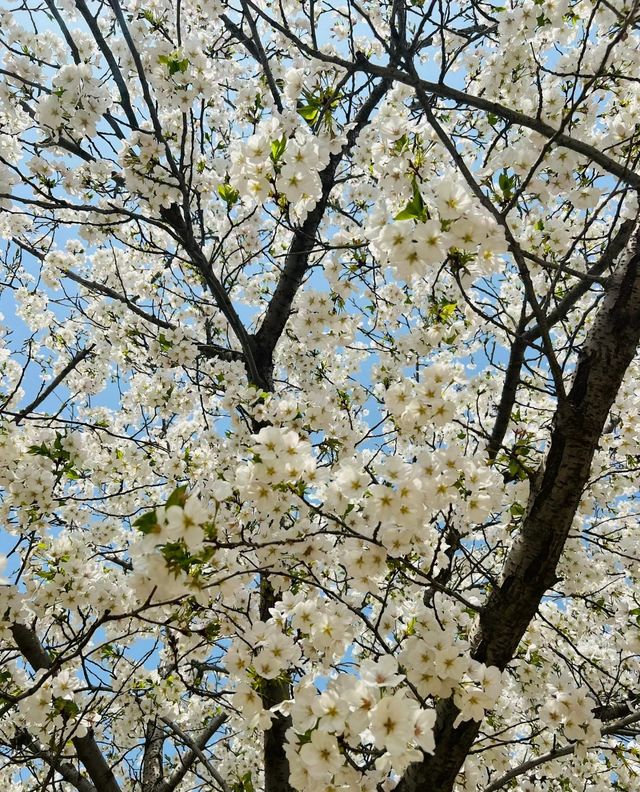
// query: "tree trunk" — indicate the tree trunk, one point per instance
point(530, 569)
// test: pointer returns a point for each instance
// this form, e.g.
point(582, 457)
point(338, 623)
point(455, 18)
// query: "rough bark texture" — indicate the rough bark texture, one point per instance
point(152, 767)
point(273, 692)
point(64, 769)
point(530, 569)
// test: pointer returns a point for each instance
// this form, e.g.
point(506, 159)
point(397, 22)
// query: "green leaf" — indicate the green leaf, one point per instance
point(165, 344)
point(108, 651)
point(148, 15)
point(177, 556)
point(278, 148)
point(228, 194)
point(506, 182)
point(308, 112)
point(178, 497)
point(516, 470)
point(66, 707)
point(447, 310)
point(401, 144)
point(405, 214)
point(415, 209)
point(174, 63)
point(212, 630)
point(39, 450)
point(147, 523)
point(443, 312)
point(243, 784)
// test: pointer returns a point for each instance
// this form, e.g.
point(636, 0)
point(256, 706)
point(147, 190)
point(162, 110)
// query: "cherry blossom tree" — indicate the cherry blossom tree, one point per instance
point(318, 409)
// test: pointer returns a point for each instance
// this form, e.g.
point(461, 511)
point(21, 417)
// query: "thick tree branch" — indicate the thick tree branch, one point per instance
point(508, 395)
point(197, 750)
point(262, 58)
point(297, 259)
point(59, 378)
point(66, 770)
point(530, 569)
point(86, 747)
point(152, 764)
point(526, 337)
point(607, 260)
point(105, 49)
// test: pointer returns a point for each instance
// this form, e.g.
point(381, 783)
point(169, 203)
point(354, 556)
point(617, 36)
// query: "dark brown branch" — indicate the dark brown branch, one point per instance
point(524, 339)
point(274, 692)
point(297, 258)
point(29, 644)
point(394, 74)
point(144, 83)
point(508, 396)
point(105, 49)
point(607, 260)
point(86, 747)
point(237, 32)
point(197, 750)
point(55, 13)
point(71, 365)
point(262, 59)
point(66, 770)
point(530, 569)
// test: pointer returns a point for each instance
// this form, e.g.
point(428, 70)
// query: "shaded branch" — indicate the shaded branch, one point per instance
point(607, 260)
point(530, 568)
point(66, 770)
point(197, 751)
point(526, 337)
point(297, 258)
point(508, 396)
point(86, 747)
point(42, 396)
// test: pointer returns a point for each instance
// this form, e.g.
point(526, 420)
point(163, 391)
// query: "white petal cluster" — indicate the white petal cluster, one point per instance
point(569, 711)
